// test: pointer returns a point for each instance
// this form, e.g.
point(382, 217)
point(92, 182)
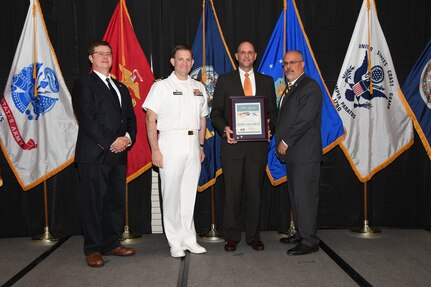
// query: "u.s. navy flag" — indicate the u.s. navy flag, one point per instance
point(417, 90)
point(130, 66)
point(212, 58)
point(369, 100)
point(288, 35)
point(38, 129)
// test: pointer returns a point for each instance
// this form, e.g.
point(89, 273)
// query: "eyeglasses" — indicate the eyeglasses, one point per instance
point(101, 54)
point(287, 63)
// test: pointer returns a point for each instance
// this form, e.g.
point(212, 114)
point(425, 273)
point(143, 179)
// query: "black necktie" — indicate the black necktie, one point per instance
point(114, 93)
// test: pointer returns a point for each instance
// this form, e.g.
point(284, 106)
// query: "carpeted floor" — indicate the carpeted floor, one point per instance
point(395, 258)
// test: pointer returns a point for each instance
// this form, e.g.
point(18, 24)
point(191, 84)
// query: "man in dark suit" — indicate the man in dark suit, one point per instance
point(107, 126)
point(243, 163)
point(299, 144)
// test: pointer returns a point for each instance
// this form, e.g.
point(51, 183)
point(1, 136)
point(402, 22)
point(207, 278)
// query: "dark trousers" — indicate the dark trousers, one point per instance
point(242, 175)
point(102, 189)
point(303, 185)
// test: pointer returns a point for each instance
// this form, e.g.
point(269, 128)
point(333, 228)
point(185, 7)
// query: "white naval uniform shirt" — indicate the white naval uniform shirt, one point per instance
point(179, 104)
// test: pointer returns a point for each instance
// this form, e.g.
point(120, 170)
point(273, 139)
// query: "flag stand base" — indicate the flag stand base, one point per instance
point(212, 236)
point(128, 236)
point(366, 231)
point(290, 232)
point(45, 237)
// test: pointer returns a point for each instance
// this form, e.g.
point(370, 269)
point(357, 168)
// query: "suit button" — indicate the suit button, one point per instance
point(121, 121)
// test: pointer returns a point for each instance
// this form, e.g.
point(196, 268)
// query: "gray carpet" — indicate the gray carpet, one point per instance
point(395, 258)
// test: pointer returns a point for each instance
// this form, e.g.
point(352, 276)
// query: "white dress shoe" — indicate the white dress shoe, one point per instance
point(177, 252)
point(194, 248)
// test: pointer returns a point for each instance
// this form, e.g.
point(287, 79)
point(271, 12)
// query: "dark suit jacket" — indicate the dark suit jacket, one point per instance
point(101, 120)
point(230, 85)
point(298, 121)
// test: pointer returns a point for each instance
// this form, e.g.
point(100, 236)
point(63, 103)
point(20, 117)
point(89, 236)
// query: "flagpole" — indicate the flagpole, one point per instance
point(213, 235)
point(127, 235)
point(291, 231)
point(45, 237)
point(204, 61)
point(369, 43)
point(284, 27)
point(366, 231)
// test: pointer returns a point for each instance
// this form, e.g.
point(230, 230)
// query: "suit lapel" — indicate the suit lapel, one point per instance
point(105, 90)
point(239, 90)
point(292, 91)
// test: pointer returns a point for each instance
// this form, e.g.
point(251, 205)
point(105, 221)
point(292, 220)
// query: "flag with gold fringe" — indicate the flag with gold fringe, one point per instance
point(38, 129)
point(212, 58)
point(369, 100)
point(289, 34)
point(417, 90)
point(130, 66)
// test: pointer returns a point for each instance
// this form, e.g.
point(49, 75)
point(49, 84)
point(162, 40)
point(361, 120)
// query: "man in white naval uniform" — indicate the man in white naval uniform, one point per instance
point(177, 107)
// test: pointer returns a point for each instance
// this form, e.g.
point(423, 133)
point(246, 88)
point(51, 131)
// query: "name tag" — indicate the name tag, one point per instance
point(197, 93)
point(177, 93)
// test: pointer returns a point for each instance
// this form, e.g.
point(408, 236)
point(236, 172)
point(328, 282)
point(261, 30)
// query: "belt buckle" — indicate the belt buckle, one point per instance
point(190, 133)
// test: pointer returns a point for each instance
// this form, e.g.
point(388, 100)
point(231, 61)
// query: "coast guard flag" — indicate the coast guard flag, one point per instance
point(212, 58)
point(369, 100)
point(130, 66)
point(288, 35)
point(37, 126)
point(417, 90)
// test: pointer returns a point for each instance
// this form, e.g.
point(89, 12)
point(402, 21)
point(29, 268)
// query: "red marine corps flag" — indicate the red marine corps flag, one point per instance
point(130, 66)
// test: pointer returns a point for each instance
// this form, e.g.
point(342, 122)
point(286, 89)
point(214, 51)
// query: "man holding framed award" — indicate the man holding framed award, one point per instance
point(243, 107)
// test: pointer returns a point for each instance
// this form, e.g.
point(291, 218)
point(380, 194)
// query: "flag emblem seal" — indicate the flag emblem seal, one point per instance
point(425, 84)
point(22, 91)
point(358, 88)
point(209, 80)
point(130, 80)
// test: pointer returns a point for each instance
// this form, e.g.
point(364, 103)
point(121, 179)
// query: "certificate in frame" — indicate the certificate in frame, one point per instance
point(249, 118)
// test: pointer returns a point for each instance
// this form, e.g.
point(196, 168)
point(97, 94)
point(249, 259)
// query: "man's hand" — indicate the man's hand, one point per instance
point(229, 135)
point(282, 148)
point(202, 154)
point(157, 158)
point(120, 144)
point(269, 130)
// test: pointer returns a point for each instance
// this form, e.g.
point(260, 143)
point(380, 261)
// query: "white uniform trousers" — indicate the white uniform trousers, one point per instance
point(179, 180)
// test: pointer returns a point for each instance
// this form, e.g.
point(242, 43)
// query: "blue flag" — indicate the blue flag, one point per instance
point(288, 35)
point(209, 65)
point(417, 91)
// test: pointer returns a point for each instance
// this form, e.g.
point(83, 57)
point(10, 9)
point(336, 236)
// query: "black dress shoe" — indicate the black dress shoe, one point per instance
point(230, 245)
point(257, 245)
point(302, 249)
point(290, 239)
